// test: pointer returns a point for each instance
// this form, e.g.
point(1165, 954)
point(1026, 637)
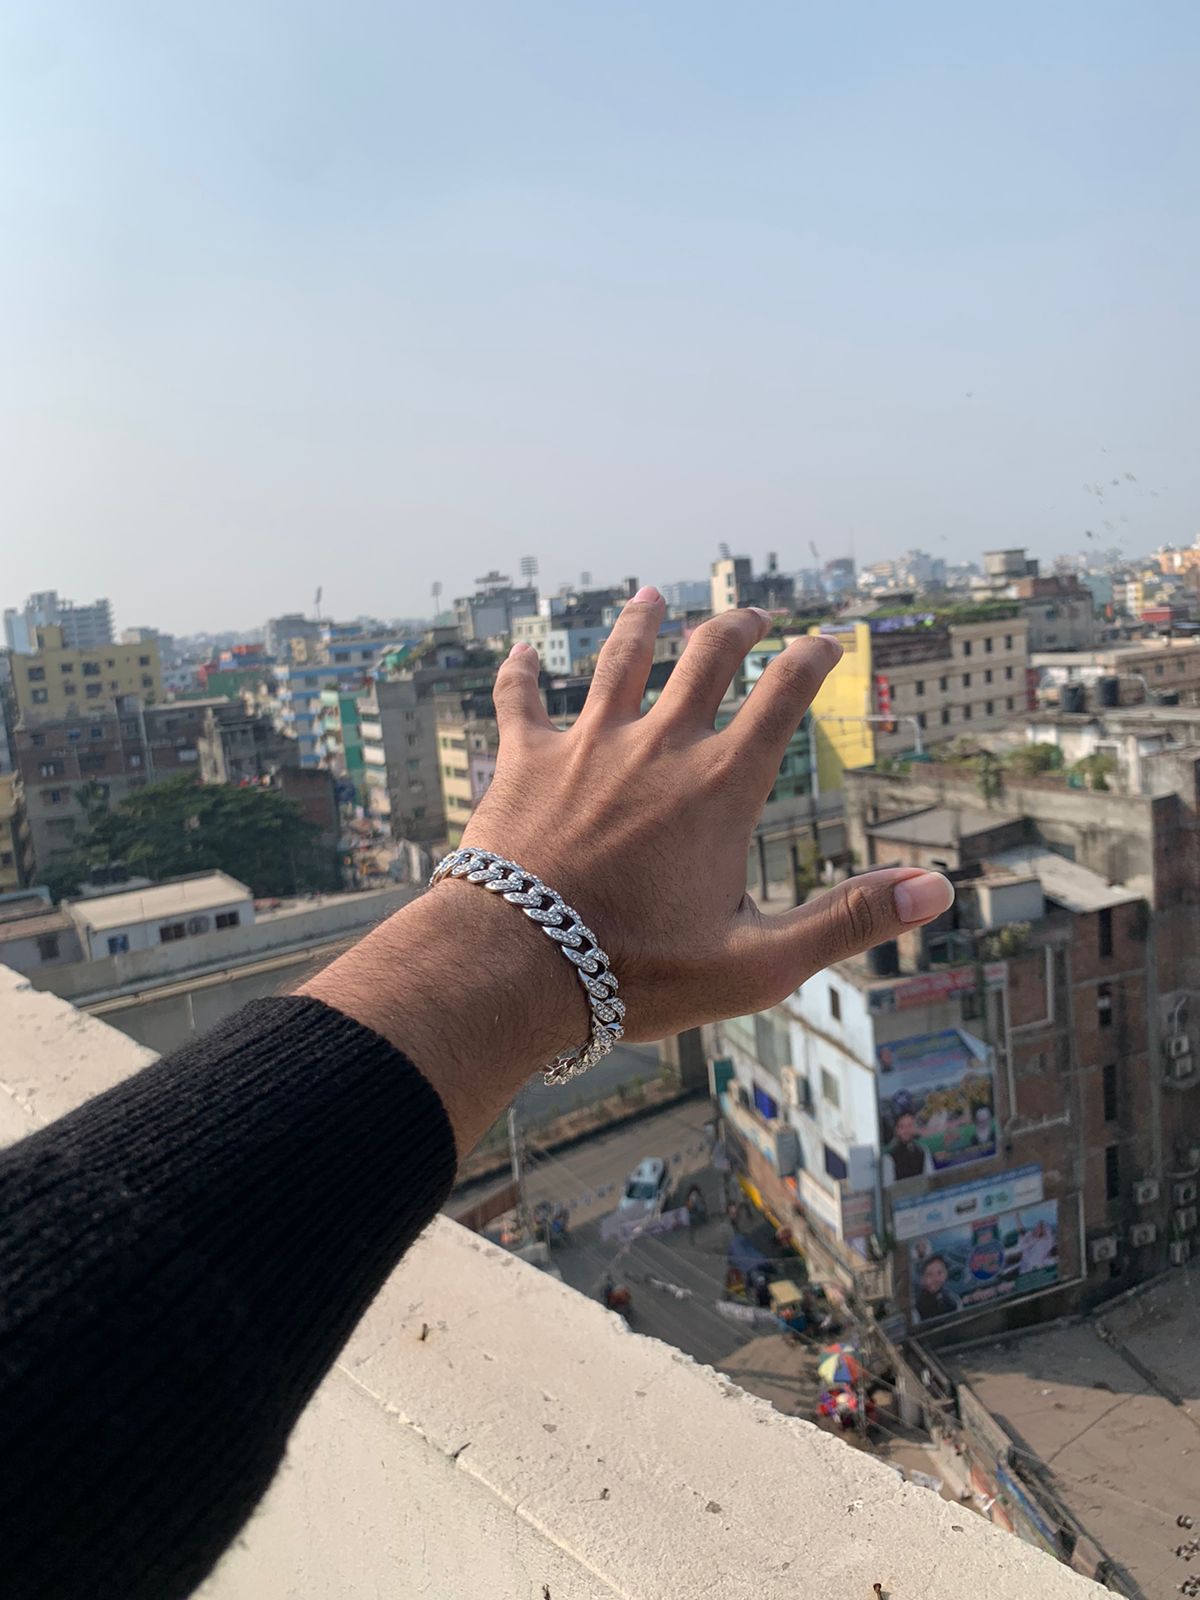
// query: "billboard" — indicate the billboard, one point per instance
point(966, 1202)
point(978, 1263)
point(936, 1104)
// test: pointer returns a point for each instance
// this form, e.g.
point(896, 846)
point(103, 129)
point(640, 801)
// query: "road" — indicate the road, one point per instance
point(539, 1102)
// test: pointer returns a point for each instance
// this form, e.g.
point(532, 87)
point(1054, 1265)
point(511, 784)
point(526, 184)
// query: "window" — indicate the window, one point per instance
point(47, 946)
point(945, 716)
point(228, 919)
point(66, 666)
point(987, 677)
point(93, 761)
point(966, 680)
point(835, 1004)
point(835, 1166)
point(55, 797)
point(920, 686)
point(37, 740)
point(765, 1104)
point(6, 858)
point(1104, 931)
point(72, 735)
point(990, 708)
point(943, 684)
point(966, 647)
point(143, 661)
point(1009, 702)
point(1110, 1091)
point(412, 741)
point(135, 760)
point(1104, 1005)
point(1158, 669)
point(70, 688)
point(170, 931)
point(50, 769)
point(966, 713)
point(1008, 673)
point(36, 674)
point(921, 720)
point(414, 765)
point(831, 1089)
point(91, 669)
point(147, 682)
point(109, 663)
point(1112, 1172)
point(987, 645)
point(39, 696)
point(118, 944)
point(93, 690)
point(1008, 641)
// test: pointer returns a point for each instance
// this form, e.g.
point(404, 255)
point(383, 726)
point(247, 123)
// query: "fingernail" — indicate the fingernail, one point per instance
point(759, 612)
point(918, 899)
point(519, 648)
point(646, 594)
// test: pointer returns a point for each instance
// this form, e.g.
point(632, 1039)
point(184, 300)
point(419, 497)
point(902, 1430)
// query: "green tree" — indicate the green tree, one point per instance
point(167, 829)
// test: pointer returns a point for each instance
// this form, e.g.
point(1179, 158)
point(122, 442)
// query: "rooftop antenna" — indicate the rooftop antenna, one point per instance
point(529, 568)
point(723, 551)
point(317, 600)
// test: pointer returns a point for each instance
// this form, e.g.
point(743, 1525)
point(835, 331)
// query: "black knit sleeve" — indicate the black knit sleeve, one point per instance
point(181, 1260)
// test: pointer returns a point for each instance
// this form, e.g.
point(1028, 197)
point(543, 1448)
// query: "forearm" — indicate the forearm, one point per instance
point(183, 1257)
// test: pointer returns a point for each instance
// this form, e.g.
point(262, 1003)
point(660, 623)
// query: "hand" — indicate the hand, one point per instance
point(643, 823)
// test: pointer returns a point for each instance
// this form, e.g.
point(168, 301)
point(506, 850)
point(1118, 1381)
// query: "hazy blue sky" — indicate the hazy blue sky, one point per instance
point(370, 295)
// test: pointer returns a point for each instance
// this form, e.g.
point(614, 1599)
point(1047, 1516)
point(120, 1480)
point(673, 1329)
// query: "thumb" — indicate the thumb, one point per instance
point(861, 912)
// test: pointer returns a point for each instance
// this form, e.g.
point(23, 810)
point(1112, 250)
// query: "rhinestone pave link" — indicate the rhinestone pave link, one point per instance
point(563, 924)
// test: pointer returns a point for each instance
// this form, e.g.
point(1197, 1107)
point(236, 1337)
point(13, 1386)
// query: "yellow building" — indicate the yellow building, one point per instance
point(843, 739)
point(57, 682)
point(467, 745)
point(14, 835)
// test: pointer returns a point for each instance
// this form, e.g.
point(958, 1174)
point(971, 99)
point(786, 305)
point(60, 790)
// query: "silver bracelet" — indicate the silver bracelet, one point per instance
point(565, 926)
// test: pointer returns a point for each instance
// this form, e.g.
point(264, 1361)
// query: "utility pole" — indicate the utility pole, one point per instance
point(518, 1174)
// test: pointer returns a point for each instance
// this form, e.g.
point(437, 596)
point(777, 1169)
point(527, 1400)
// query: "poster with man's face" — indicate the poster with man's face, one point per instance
point(957, 1269)
point(936, 1104)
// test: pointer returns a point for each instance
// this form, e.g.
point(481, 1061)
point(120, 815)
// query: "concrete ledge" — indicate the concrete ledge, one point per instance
point(488, 1432)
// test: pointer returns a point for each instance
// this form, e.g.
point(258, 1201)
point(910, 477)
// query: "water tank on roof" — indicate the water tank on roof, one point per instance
point(884, 960)
point(1072, 698)
point(1109, 691)
point(1169, 697)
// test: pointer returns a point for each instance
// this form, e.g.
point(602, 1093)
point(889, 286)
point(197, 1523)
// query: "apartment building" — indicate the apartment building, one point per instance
point(492, 610)
point(468, 742)
point(563, 642)
point(914, 679)
point(83, 627)
point(16, 849)
point(1143, 669)
point(58, 680)
point(70, 763)
point(733, 583)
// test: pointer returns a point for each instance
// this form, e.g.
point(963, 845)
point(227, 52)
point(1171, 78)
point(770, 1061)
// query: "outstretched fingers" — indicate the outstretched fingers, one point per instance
point(516, 696)
point(625, 659)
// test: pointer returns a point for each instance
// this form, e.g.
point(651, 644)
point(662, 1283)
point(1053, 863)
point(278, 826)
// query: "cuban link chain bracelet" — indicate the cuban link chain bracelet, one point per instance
point(565, 926)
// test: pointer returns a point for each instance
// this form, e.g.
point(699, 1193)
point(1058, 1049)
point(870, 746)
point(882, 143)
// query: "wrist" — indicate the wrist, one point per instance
point(472, 993)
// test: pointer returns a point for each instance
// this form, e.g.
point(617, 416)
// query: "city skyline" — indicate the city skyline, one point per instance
point(371, 301)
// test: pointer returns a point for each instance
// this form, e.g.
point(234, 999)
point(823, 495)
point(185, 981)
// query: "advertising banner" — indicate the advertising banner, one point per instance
point(991, 1259)
point(936, 1104)
point(966, 1202)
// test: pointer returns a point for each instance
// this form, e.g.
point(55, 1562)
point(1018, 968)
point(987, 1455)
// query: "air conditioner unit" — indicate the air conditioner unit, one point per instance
point(1146, 1192)
point(1184, 1194)
point(1179, 1067)
point(1180, 1252)
point(198, 925)
point(1104, 1249)
point(1143, 1233)
point(787, 1082)
point(1178, 1044)
point(1185, 1220)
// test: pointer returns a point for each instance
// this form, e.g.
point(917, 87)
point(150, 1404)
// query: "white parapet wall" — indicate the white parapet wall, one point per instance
point(488, 1432)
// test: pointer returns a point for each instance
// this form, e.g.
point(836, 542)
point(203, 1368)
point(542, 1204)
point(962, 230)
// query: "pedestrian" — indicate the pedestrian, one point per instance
point(193, 1247)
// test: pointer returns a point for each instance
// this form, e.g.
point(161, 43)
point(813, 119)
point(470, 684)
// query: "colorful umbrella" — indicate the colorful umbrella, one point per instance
point(839, 1367)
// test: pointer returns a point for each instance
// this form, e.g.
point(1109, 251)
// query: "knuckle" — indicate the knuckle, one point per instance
point(860, 915)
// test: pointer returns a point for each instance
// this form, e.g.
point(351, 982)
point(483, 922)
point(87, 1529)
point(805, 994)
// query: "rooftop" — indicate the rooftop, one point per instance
point(32, 924)
point(1066, 882)
point(204, 892)
point(941, 825)
point(1109, 1406)
point(489, 1431)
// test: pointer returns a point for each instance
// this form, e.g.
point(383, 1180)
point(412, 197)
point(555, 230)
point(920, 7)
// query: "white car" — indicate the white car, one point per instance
point(646, 1188)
